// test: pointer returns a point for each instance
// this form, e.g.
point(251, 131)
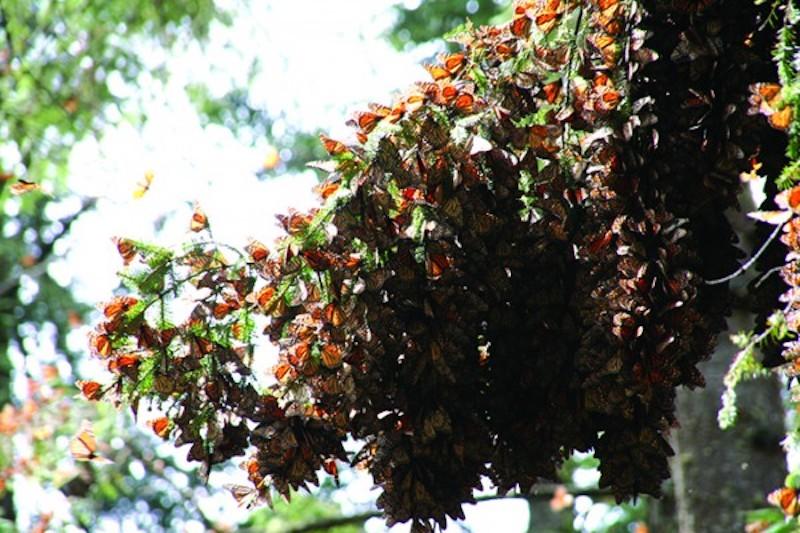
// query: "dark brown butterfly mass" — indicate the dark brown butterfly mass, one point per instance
point(506, 269)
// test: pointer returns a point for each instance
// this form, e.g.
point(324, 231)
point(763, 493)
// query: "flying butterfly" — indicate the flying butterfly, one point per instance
point(126, 249)
point(143, 185)
point(23, 186)
point(248, 497)
point(83, 446)
point(199, 220)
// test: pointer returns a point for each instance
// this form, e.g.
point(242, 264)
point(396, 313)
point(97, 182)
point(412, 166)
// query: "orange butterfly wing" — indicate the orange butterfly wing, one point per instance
point(83, 446)
point(199, 220)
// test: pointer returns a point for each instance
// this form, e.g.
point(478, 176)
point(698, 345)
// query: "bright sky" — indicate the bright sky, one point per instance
point(319, 60)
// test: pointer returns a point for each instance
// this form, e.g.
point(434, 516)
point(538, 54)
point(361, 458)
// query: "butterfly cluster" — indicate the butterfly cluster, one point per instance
point(507, 267)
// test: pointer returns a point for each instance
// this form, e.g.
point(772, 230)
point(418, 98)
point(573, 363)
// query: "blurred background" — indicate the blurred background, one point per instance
point(127, 112)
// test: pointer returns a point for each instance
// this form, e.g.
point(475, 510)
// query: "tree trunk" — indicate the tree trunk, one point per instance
point(719, 474)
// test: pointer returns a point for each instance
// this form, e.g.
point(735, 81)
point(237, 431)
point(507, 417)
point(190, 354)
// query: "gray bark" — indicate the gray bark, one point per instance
point(720, 474)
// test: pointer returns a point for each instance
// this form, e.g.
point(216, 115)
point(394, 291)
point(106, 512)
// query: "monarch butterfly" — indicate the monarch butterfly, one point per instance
point(161, 426)
point(781, 120)
point(765, 99)
point(552, 91)
point(100, 344)
point(607, 46)
point(257, 250)
point(379, 109)
point(789, 199)
point(449, 93)
point(608, 20)
point(334, 315)
point(118, 306)
point(332, 146)
point(247, 497)
point(601, 242)
point(23, 187)
point(547, 21)
point(199, 220)
point(317, 259)
point(143, 185)
point(284, 372)
point(326, 188)
point(91, 390)
point(437, 72)
point(786, 499)
point(329, 465)
point(605, 4)
point(83, 446)
point(126, 249)
point(464, 103)
point(264, 296)
point(521, 27)
point(414, 101)
point(365, 120)
point(505, 48)
point(436, 265)
point(331, 356)
point(453, 62)
point(123, 362)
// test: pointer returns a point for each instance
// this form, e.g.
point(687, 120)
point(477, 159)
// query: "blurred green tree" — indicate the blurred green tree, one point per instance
point(61, 66)
point(420, 22)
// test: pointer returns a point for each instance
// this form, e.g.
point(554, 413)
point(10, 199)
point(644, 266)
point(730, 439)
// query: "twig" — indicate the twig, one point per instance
point(542, 492)
point(751, 261)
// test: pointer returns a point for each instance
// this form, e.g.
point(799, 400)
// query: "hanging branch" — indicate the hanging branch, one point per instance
point(543, 493)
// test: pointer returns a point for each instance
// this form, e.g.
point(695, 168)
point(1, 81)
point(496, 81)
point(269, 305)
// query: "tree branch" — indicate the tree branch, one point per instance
point(542, 492)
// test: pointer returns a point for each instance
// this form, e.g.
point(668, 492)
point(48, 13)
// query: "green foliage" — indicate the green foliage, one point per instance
point(431, 19)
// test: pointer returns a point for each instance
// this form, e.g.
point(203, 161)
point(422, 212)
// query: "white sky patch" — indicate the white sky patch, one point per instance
point(318, 60)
